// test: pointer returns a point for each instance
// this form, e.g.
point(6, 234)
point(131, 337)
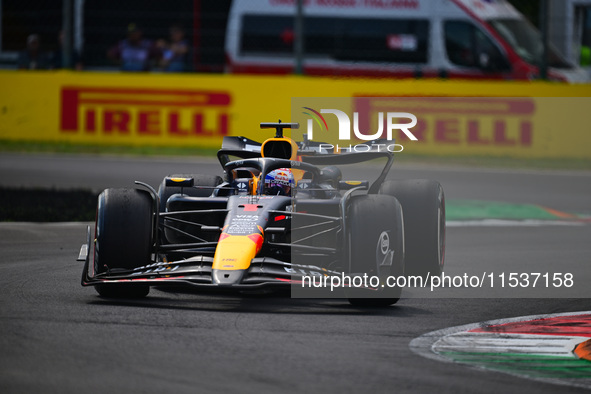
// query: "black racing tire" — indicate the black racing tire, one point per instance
point(123, 237)
point(423, 204)
point(164, 192)
point(375, 228)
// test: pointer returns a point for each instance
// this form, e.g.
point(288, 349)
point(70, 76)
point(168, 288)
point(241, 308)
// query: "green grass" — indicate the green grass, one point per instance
point(404, 158)
point(469, 210)
point(499, 162)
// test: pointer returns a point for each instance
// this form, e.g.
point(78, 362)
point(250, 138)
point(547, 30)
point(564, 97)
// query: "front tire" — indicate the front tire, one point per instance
point(376, 247)
point(124, 238)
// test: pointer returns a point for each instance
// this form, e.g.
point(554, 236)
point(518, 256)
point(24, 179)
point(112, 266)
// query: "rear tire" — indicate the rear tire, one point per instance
point(423, 204)
point(376, 247)
point(124, 238)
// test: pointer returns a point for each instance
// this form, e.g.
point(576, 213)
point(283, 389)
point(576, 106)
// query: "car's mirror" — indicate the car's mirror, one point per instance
point(348, 185)
point(179, 182)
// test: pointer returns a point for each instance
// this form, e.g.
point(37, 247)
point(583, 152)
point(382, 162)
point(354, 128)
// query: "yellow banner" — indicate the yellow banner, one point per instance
point(549, 120)
point(476, 126)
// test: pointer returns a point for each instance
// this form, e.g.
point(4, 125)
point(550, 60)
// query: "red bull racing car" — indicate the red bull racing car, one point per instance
point(281, 215)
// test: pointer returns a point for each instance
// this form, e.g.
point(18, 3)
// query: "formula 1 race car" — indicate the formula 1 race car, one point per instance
point(281, 215)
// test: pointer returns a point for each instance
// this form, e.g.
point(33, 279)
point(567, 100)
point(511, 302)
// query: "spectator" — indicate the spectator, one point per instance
point(134, 53)
point(57, 56)
point(174, 54)
point(33, 58)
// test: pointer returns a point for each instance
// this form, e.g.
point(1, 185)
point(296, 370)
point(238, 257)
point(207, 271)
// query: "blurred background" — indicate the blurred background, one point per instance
point(83, 33)
point(173, 78)
point(96, 26)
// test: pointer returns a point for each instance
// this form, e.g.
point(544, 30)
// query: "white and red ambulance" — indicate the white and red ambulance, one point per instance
point(476, 39)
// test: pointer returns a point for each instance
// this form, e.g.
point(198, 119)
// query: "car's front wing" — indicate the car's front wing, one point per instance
point(197, 271)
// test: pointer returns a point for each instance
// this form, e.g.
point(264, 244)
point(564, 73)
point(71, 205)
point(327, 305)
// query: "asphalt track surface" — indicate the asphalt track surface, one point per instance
point(56, 336)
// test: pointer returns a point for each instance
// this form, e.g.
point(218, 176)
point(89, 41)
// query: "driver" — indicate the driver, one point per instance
point(279, 182)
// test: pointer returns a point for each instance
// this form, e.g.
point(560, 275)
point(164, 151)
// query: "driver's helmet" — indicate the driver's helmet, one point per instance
point(279, 182)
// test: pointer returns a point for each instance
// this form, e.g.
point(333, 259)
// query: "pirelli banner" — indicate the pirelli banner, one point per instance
point(470, 126)
point(457, 118)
